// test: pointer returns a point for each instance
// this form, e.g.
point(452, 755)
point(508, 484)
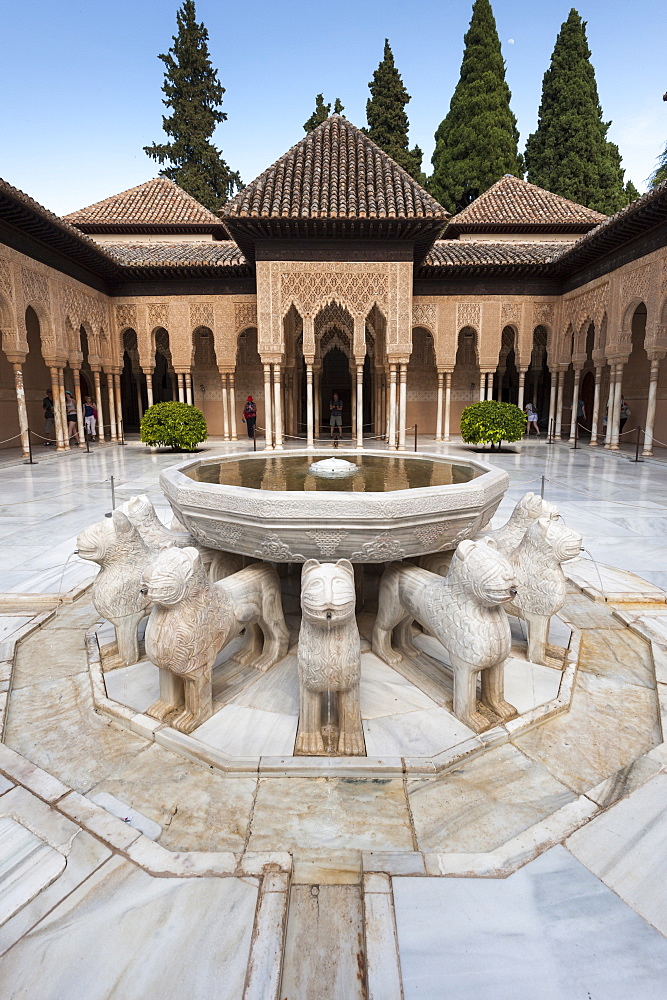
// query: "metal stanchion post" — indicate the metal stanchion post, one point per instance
point(576, 436)
point(31, 460)
point(113, 499)
point(542, 488)
point(637, 458)
point(254, 439)
point(415, 437)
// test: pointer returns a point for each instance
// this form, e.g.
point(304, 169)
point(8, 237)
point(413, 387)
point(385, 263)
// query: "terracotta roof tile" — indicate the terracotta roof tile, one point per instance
point(218, 253)
point(335, 172)
point(514, 202)
point(454, 253)
point(159, 202)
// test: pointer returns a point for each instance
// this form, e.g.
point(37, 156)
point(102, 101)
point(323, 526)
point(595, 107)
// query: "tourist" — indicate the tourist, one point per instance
point(70, 408)
point(336, 411)
point(581, 411)
point(532, 415)
point(89, 417)
point(250, 416)
point(49, 416)
point(625, 413)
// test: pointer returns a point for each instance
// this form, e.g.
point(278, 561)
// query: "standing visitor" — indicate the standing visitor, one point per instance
point(532, 415)
point(336, 414)
point(72, 429)
point(625, 413)
point(49, 416)
point(250, 416)
point(89, 417)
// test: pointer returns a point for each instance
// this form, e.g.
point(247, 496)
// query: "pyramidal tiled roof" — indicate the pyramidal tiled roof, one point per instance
point(335, 172)
point(158, 202)
point(514, 202)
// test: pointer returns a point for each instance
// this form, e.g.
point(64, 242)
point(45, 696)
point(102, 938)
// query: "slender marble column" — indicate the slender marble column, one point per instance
point(120, 433)
point(402, 406)
point(595, 420)
point(360, 405)
point(225, 407)
point(57, 414)
point(489, 385)
point(99, 429)
point(148, 372)
point(650, 409)
point(610, 405)
point(140, 403)
point(616, 428)
point(559, 405)
point(438, 415)
point(353, 406)
point(448, 404)
point(482, 386)
point(278, 406)
point(181, 387)
point(188, 388)
point(317, 392)
point(268, 431)
point(575, 404)
point(309, 407)
point(552, 399)
point(392, 407)
point(63, 406)
point(232, 408)
point(522, 381)
point(112, 407)
point(80, 426)
point(23, 410)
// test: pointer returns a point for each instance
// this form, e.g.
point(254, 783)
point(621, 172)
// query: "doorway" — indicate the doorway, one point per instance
point(336, 378)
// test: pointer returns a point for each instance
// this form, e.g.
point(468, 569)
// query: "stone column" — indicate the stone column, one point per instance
point(489, 385)
point(140, 405)
point(595, 420)
point(112, 407)
point(80, 426)
point(148, 372)
point(615, 433)
point(360, 404)
point(181, 387)
point(522, 382)
point(650, 408)
point(482, 386)
point(402, 406)
point(317, 413)
point(268, 430)
point(22, 409)
point(353, 406)
point(309, 405)
point(232, 408)
point(552, 399)
point(120, 434)
point(559, 405)
point(575, 403)
point(188, 388)
point(57, 413)
point(448, 404)
point(610, 405)
point(392, 408)
point(63, 406)
point(278, 406)
point(99, 429)
point(225, 406)
point(438, 415)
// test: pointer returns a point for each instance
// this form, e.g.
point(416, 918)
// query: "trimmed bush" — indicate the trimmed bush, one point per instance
point(492, 422)
point(174, 425)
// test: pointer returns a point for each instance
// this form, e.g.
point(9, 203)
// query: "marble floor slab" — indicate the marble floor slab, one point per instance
point(245, 732)
point(550, 931)
point(626, 847)
point(27, 865)
point(9, 624)
point(414, 734)
point(128, 935)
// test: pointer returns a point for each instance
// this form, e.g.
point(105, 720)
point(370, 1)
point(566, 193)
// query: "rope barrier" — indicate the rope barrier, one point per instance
point(591, 496)
point(12, 438)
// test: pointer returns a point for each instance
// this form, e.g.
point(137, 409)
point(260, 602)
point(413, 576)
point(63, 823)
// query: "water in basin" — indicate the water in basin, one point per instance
point(374, 474)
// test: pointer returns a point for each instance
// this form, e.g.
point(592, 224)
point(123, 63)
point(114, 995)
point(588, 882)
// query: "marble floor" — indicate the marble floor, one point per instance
point(129, 870)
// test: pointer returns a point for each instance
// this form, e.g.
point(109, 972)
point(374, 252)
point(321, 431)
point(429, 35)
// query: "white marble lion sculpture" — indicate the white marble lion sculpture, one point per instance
point(118, 548)
point(192, 619)
point(157, 536)
point(540, 582)
point(465, 612)
point(329, 656)
point(507, 537)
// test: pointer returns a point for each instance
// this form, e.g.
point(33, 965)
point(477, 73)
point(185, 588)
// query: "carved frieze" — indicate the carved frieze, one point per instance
point(126, 316)
point(510, 313)
point(201, 314)
point(245, 315)
point(636, 284)
point(35, 287)
point(6, 278)
point(158, 315)
point(424, 314)
point(468, 314)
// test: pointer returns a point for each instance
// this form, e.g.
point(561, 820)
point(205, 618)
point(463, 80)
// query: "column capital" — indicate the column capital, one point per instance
point(15, 358)
point(655, 355)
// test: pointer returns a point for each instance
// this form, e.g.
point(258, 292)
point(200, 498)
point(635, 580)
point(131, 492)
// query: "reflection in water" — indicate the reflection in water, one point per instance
point(375, 474)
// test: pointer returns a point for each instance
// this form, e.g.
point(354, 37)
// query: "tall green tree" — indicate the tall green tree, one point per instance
point(193, 92)
point(321, 112)
point(477, 141)
point(387, 121)
point(660, 174)
point(569, 153)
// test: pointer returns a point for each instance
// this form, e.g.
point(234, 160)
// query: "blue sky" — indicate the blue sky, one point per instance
point(80, 81)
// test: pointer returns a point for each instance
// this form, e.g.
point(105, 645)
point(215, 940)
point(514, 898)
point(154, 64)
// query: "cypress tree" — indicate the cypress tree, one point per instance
point(569, 153)
point(194, 95)
point(387, 121)
point(321, 113)
point(476, 144)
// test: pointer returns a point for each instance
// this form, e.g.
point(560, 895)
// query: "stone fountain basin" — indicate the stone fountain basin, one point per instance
point(369, 527)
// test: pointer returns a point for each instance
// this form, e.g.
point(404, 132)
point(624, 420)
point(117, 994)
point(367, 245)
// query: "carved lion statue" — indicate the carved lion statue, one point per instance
point(192, 619)
point(540, 581)
point(116, 545)
point(465, 613)
point(329, 656)
point(507, 537)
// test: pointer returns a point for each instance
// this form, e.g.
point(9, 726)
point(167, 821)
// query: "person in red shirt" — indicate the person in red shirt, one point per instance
point(250, 416)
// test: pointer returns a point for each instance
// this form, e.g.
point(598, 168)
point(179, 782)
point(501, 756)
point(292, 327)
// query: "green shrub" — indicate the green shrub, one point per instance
point(492, 422)
point(175, 425)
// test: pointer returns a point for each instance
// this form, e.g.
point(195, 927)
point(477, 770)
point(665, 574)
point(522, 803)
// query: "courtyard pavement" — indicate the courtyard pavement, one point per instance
point(585, 919)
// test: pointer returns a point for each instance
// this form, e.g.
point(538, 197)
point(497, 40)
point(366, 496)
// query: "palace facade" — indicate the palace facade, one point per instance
point(335, 271)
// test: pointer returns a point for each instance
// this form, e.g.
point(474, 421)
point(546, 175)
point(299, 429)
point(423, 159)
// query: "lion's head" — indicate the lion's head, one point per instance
point(327, 592)
point(96, 542)
point(563, 541)
point(483, 572)
point(532, 506)
point(168, 578)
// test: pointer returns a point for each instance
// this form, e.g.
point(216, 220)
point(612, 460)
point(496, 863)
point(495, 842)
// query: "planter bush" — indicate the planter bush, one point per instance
point(490, 422)
point(174, 425)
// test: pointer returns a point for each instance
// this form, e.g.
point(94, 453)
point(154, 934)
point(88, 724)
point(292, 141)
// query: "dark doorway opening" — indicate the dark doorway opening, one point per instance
point(336, 378)
point(587, 393)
